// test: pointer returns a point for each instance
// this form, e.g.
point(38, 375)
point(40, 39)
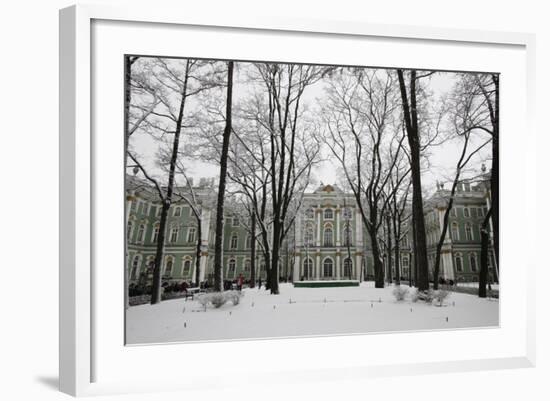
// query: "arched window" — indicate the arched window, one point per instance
point(348, 268)
point(473, 262)
point(155, 236)
point(168, 267)
point(247, 265)
point(327, 268)
point(177, 211)
point(469, 235)
point(129, 230)
point(191, 234)
point(454, 232)
point(310, 213)
point(466, 212)
point(141, 233)
point(458, 263)
point(186, 267)
point(234, 241)
point(151, 264)
point(308, 268)
point(327, 236)
point(231, 268)
point(135, 268)
point(329, 214)
point(174, 234)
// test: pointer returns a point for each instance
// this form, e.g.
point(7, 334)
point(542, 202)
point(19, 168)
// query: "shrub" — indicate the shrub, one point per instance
point(426, 296)
point(234, 296)
point(414, 294)
point(203, 299)
point(440, 296)
point(217, 299)
point(400, 292)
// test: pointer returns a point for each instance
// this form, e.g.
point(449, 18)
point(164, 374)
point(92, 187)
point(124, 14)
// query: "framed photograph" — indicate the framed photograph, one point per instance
point(313, 191)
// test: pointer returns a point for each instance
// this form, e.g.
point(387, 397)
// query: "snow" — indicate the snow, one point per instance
point(304, 312)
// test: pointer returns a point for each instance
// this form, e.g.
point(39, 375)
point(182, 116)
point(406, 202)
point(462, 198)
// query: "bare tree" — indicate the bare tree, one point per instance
point(409, 98)
point(174, 82)
point(489, 86)
point(218, 247)
point(360, 116)
point(289, 160)
point(467, 115)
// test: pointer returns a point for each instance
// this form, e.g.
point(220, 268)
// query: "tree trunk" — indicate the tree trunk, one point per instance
point(484, 268)
point(389, 247)
point(253, 251)
point(377, 262)
point(218, 247)
point(157, 269)
point(166, 202)
point(198, 254)
point(495, 175)
point(273, 278)
point(397, 256)
point(411, 123)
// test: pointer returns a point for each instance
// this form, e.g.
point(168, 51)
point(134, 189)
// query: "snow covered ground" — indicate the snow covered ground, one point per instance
point(304, 312)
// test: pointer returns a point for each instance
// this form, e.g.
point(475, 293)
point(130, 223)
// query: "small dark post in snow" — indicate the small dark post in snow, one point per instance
point(252, 304)
point(185, 324)
point(453, 303)
point(447, 319)
point(183, 311)
point(290, 300)
point(273, 306)
point(411, 309)
point(229, 313)
point(371, 304)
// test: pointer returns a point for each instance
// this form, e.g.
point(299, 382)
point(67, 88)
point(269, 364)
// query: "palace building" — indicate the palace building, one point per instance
point(328, 240)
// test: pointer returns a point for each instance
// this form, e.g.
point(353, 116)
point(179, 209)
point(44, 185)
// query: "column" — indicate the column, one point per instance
point(447, 262)
point(318, 239)
point(337, 211)
point(317, 266)
point(337, 265)
point(358, 229)
point(297, 264)
point(358, 266)
point(203, 266)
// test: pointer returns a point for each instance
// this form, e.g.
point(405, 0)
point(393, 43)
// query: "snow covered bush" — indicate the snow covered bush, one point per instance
point(234, 296)
point(203, 300)
point(400, 292)
point(217, 299)
point(440, 296)
point(414, 294)
point(427, 296)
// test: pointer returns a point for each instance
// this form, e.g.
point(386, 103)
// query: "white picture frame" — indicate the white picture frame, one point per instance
point(82, 349)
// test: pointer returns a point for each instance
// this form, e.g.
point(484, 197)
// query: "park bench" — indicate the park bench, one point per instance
point(190, 292)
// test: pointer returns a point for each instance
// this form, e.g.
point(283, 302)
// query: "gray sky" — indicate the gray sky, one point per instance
point(442, 159)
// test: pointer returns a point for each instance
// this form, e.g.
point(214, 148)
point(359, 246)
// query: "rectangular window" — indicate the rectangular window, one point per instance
point(466, 212)
point(174, 235)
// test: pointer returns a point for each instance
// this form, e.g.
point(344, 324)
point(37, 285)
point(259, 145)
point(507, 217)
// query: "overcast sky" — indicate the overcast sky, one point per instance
point(442, 159)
